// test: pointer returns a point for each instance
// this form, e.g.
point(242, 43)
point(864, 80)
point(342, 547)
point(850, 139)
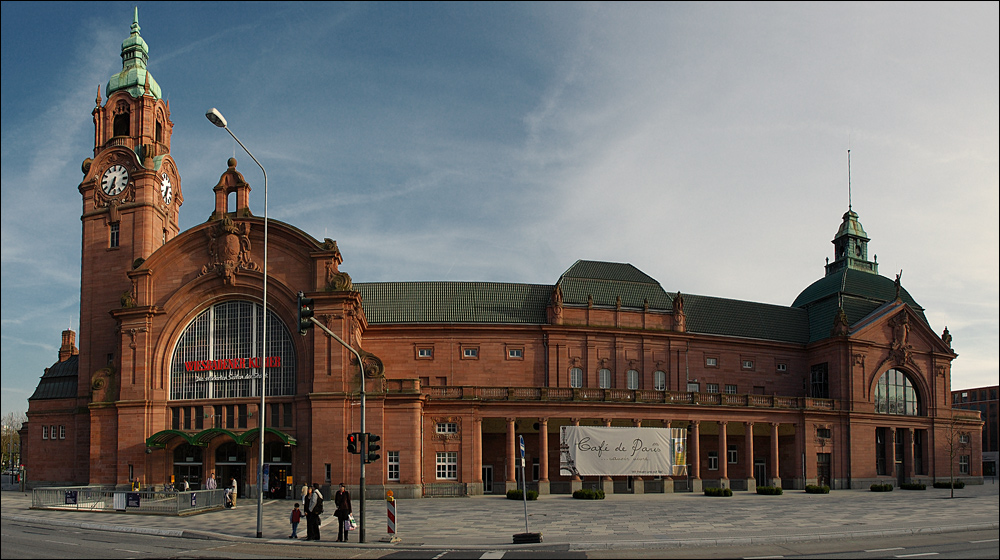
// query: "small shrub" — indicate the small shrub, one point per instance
point(519, 495)
point(945, 484)
point(587, 494)
point(813, 489)
point(770, 490)
point(718, 492)
point(912, 486)
point(887, 487)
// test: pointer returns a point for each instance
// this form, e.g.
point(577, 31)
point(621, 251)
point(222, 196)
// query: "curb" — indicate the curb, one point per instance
point(575, 546)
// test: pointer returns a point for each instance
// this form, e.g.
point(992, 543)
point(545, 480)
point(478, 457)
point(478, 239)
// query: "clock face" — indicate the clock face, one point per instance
point(165, 189)
point(115, 180)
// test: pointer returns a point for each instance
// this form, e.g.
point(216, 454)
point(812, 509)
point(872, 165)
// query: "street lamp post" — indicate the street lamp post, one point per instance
point(218, 120)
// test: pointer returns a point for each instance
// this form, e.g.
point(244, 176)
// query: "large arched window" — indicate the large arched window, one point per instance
point(218, 356)
point(896, 394)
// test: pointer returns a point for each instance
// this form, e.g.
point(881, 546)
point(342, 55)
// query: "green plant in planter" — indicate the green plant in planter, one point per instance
point(587, 494)
point(887, 487)
point(770, 490)
point(718, 492)
point(814, 489)
point(519, 495)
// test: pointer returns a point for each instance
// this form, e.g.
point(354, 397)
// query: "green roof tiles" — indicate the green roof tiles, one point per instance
point(59, 381)
point(133, 76)
point(454, 302)
point(607, 282)
point(745, 319)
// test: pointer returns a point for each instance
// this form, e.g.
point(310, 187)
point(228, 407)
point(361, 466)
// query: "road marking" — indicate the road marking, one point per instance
point(439, 555)
point(760, 557)
point(492, 555)
point(132, 551)
point(60, 542)
point(915, 555)
point(987, 540)
point(885, 549)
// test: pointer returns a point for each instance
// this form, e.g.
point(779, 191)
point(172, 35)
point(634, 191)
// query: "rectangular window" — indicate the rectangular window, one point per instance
point(604, 378)
point(713, 460)
point(747, 364)
point(963, 439)
point(230, 416)
point(45, 432)
point(712, 387)
point(782, 368)
point(446, 428)
point(535, 471)
point(470, 353)
point(274, 415)
point(187, 417)
point(329, 471)
point(113, 242)
point(576, 378)
point(447, 465)
point(287, 408)
point(819, 386)
point(217, 416)
point(730, 389)
point(963, 464)
point(392, 460)
point(823, 433)
point(659, 381)
point(880, 434)
point(732, 455)
point(633, 379)
point(199, 418)
point(693, 387)
point(243, 415)
point(425, 353)
point(711, 362)
point(175, 418)
point(515, 353)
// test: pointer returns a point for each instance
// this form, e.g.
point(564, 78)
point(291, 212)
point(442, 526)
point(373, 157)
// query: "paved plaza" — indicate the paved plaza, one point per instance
point(619, 521)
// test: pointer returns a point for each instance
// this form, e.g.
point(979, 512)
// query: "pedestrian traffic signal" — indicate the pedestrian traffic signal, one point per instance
point(371, 446)
point(352, 443)
point(305, 313)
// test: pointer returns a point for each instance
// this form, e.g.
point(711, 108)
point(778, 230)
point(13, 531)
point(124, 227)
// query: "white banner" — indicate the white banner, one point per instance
point(604, 451)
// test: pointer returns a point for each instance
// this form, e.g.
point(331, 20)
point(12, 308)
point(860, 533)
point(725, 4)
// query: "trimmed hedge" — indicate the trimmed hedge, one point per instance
point(770, 490)
point(958, 484)
point(912, 486)
point(718, 492)
point(519, 495)
point(887, 487)
point(813, 489)
point(587, 494)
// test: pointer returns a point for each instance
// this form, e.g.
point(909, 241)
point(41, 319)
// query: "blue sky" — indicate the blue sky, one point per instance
point(706, 144)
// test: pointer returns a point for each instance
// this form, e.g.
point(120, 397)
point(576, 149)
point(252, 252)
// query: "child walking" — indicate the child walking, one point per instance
point(295, 517)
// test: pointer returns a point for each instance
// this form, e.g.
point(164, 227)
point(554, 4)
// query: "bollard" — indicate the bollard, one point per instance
point(390, 504)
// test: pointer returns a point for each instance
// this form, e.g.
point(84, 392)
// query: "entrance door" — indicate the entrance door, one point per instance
point(487, 479)
point(276, 488)
point(823, 469)
point(760, 471)
point(898, 445)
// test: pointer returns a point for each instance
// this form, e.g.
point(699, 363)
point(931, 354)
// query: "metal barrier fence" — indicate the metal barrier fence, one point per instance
point(107, 498)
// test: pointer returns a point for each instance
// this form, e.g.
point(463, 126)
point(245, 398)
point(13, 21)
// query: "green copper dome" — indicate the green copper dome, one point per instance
point(133, 77)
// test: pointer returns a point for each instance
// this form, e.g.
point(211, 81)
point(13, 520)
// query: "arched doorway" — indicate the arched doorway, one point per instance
point(187, 466)
point(231, 463)
point(278, 463)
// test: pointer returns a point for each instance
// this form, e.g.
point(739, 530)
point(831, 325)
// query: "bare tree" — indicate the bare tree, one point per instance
point(957, 442)
point(10, 442)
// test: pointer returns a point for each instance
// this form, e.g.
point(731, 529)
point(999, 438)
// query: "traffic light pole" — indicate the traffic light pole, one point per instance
point(364, 433)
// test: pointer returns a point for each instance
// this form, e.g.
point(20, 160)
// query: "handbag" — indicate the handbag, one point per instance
point(352, 524)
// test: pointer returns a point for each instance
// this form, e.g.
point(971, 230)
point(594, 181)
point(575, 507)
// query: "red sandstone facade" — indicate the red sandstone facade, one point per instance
point(770, 395)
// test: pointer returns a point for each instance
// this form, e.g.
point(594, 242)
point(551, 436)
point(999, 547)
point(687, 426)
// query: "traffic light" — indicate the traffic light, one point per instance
point(371, 446)
point(352, 443)
point(305, 313)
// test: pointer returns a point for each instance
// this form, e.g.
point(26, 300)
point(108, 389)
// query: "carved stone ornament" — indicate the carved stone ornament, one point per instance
point(900, 350)
point(840, 326)
point(337, 281)
point(228, 249)
point(373, 365)
point(102, 385)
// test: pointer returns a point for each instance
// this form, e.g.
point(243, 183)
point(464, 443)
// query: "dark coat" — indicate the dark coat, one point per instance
point(343, 501)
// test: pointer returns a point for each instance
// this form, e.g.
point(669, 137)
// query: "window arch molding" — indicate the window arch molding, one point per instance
point(897, 392)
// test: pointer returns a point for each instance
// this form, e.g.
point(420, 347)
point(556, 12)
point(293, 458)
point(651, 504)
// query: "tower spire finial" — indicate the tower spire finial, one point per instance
point(849, 205)
point(135, 21)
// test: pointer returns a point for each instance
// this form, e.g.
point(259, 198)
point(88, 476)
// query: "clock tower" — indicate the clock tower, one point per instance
point(131, 196)
point(851, 247)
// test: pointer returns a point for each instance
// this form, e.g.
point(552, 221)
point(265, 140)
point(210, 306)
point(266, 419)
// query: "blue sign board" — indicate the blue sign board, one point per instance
point(522, 445)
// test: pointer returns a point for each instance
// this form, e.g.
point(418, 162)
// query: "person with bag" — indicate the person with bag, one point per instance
point(313, 511)
point(343, 501)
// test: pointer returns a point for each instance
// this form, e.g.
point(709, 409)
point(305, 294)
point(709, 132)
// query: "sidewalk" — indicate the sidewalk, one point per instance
point(619, 521)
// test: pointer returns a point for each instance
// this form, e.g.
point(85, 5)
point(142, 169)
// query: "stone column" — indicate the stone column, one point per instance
point(638, 484)
point(723, 456)
point(576, 483)
point(694, 458)
point(543, 456)
point(476, 487)
point(775, 478)
point(907, 455)
point(607, 483)
point(511, 476)
point(751, 481)
point(668, 480)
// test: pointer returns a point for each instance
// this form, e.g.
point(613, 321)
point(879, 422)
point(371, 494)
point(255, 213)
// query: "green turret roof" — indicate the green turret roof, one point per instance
point(133, 77)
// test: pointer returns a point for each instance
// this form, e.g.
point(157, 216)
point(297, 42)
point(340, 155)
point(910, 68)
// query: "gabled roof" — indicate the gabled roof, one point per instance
point(606, 282)
point(59, 381)
point(746, 319)
point(454, 302)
